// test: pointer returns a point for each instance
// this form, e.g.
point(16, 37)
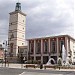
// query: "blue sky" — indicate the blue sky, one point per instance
point(44, 17)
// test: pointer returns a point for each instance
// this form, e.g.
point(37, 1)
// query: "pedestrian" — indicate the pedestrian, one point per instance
point(8, 63)
point(2, 62)
point(41, 66)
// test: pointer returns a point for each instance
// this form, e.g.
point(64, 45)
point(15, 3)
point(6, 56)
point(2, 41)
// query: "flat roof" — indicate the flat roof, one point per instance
point(51, 37)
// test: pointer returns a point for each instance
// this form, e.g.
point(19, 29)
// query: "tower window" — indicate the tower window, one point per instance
point(23, 20)
point(22, 35)
point(22, 43)
point(11, 23)
point(11, 48)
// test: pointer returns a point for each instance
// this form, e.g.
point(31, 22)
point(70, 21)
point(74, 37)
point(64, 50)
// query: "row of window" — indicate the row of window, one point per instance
point(45, 45)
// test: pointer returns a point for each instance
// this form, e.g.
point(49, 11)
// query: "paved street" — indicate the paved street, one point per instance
point(10, 71)
point(47, 72)
point(16, 71)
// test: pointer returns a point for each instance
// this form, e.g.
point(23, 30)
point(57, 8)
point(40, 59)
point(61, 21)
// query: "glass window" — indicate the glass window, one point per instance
point(38, 47)
point(22, 35)
point(23, 28)
point(12, 36)
point(31, 47)
point(23, 20)
point(22, 43)
point(61, 43)
point(53, 46)
point(46, 46)
point(11, 23)
point(11, 47)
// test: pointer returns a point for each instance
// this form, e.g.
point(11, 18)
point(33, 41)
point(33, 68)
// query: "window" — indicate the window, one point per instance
point(11, 23)
point(12, 35)
point(22, 35)
point(38, 47)
point(61, 43)
point(45, 46)
point(53, 46)
point(23, 20)
point(74, 53)
point(11, 49)
point(31, 47)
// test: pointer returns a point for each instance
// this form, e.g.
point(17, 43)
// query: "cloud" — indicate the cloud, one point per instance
point(51, 17)
point(44, 17)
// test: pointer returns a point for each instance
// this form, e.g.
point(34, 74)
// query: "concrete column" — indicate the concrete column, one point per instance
point(66, 45)
point(57, 48)
point(41, 51)
point(27, 50)
point(49, 46)
point(34, 50)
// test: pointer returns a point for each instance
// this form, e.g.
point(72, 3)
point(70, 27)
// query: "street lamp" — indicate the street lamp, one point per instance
point(29, 55)
point(21, 59)
point(5, 58)
point(5, 51)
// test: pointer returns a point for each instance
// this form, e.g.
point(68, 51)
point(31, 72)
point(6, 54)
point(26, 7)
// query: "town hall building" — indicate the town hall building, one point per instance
point(16, 34)
point(51, 47)
point(37, 49)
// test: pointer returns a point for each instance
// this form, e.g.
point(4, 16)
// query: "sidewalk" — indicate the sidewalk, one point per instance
point(11, 65)
point(21, 66)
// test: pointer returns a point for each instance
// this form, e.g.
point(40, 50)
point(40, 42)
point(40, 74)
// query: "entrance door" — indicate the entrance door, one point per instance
point(45, 59)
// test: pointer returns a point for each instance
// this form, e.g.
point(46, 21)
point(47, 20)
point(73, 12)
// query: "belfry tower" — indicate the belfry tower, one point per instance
point(16, 34)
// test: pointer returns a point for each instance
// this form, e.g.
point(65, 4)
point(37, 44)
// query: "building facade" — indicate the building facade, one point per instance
point(51, 47)
point(1, 52)
point(22, 50)
point(16, 34)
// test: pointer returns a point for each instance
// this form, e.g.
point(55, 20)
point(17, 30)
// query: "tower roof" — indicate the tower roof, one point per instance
point(17, 9)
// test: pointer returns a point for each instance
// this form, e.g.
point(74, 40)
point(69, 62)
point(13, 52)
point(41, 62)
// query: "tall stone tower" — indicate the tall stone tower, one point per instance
point(16, 34)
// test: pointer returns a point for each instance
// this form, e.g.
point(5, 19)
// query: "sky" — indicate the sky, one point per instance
point(44, 17)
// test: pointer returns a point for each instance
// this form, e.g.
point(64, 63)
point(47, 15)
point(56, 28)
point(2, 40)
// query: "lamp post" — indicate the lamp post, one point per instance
point(29, 55)
point(5, 51)
point(21, 59)
point(5, 58)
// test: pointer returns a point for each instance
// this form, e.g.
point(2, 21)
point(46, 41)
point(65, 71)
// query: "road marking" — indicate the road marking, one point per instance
point(22, 73)
point(34, 73)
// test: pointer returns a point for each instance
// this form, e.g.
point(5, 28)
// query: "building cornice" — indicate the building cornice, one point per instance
point(53, 37)
point(17, 12)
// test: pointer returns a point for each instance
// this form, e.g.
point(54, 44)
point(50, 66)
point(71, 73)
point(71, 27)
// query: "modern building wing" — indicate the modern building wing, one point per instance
point(51, 47)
